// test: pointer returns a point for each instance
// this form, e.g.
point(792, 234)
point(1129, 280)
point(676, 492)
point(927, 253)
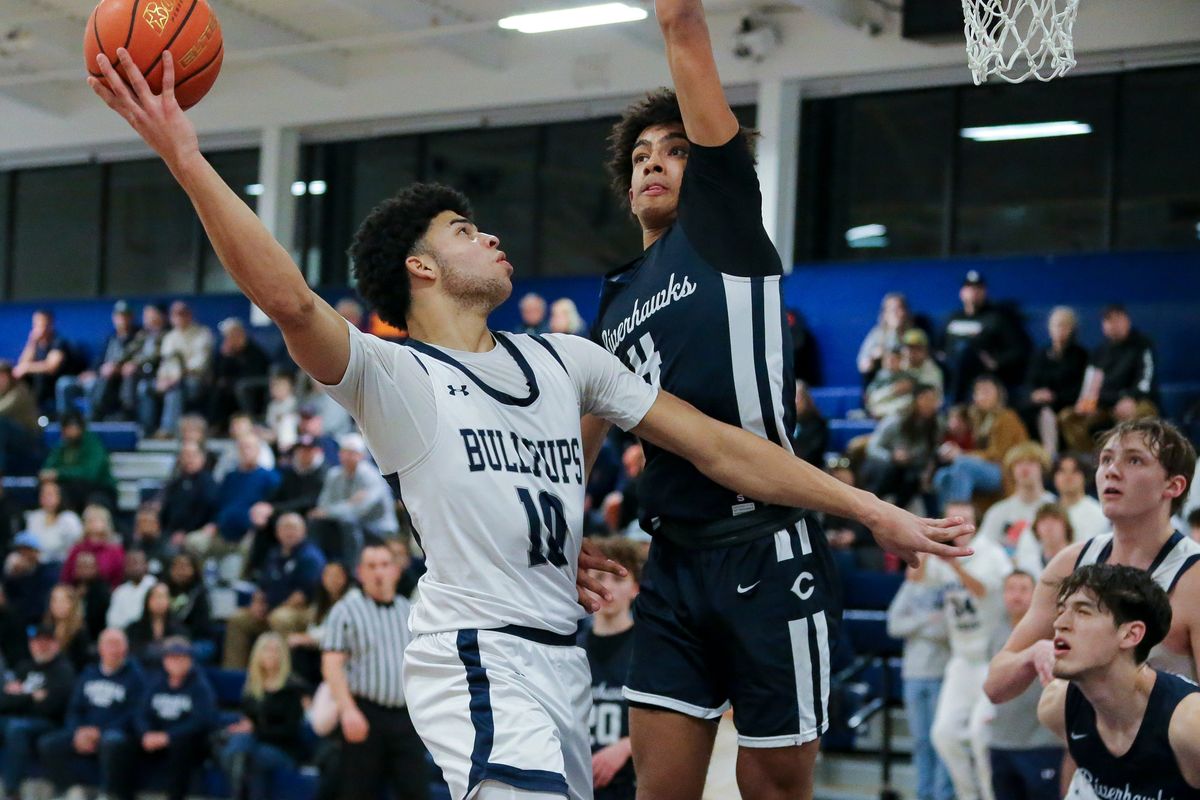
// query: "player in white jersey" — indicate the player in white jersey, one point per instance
point(481, 433)
point(1142, 478)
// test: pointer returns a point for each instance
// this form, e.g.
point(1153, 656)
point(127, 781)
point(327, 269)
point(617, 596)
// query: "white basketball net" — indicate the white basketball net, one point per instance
point(1018, 39)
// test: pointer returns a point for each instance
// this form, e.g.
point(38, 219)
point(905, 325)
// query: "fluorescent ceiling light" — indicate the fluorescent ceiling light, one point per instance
point(317, 187)
point(1027, 130)
point(254, 189)
point(299, 188)
point(568, 18)
point(874, 235)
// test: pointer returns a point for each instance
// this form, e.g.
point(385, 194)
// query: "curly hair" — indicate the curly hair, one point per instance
point(1129, 594)
point(660, 107)
point(393, 231)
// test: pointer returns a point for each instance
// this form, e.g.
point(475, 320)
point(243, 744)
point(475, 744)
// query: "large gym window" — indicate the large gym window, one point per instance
point(239, 168)
point(5, 239)
point(151, 233)
point(56, 232)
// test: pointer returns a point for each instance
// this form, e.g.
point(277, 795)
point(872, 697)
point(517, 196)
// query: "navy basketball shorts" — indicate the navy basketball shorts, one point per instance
point(750, 625)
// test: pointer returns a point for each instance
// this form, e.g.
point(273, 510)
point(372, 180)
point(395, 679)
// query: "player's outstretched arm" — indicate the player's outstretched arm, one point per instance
point(707, 118)
point(316, 335)
point(1184, 735)
point(1052, 708)
point(757, 468)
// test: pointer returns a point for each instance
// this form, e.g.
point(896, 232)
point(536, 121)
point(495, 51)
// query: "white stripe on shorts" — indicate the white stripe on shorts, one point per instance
point(783, 545)
point(812, 701)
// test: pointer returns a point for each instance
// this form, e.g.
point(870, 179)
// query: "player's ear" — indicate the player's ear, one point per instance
point(1132, 633)
point(421, 266)
point(1176, 486)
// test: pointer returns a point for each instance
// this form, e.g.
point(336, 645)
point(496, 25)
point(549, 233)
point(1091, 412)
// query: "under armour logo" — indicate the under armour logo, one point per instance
point(460, 390)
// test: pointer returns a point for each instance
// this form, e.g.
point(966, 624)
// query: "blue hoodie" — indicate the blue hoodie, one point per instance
point(187, 711)
point(106, 701)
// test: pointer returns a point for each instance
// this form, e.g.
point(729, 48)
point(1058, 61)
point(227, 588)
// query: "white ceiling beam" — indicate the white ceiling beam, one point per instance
point(485, 48)
point(853, 13)
point(245, 30)
point(53, 99)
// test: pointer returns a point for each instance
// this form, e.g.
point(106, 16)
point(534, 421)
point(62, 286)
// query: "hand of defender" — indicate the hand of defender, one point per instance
point(906, 535)
point(592, 594)
point(157, 118)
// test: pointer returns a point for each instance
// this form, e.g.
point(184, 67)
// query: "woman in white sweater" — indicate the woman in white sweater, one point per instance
point(55, 527)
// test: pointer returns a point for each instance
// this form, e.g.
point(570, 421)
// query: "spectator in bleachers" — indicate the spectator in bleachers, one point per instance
point(533, 314)
point(172, 724)
point(129, 598)
point(99, 717)
point(139, 371)
point(288, 581)
point(64, 615)
point(238, 492)
point(56, 527)
point(14, 645)
point(33, 703)
point(979, 340)
point(283, 411)
point(102, 383)
point(885, 336)
point(306, 645)
point(189, 603)
point(1025, 756)
point(20, 434)
point(410, 570)
point(1193, 524)
point(891, 390)
point(1025, 465)
point(918, 363)
point(193, 429)
point(27, 579)
point(99, 540)
point(148, 537)
point(239, 374)
point(811, 436)
point(351, 311)
point(1071, 484)
point(156, 624)
point(851, 541)
point(1121, 382)
point(189, 500)
point(79, 462)
point(901, 451)
point(45, 357)
point(93, 591)
point(267, 739)
point(241, 424)
point(1055, 378)
point(565, 318)
point(183, 373)
point(300, 484)
point(917, 615)
point(355, 502)
point(972, 592)
point(1049, 534)
point(994, 429)
point(322, 418)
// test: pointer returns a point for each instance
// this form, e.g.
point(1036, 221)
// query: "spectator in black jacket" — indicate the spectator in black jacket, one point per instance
point(32, 704)
point(189, 604)
point(189, 500)
point(148, 538)
point(811, 436)
point(27, 579)
point(268, 736)
point(93, 592)
point(148, 635)
point(14, 645)
point(1121, 382)
point(102, 383)
point(99, 717)
point(902, 451)
point(45, 357)
point(1055, 378)
point(299, 487)
point(981, 339)
point(239, 375)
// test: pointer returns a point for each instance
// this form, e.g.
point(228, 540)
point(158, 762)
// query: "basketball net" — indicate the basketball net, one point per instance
point(1019, 39)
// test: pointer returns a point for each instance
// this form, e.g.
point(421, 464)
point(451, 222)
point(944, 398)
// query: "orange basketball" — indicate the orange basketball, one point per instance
point(188, 28)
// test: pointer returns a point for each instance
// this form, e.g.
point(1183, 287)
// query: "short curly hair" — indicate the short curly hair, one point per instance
point(393, 231)
point(660, 107)
point(1129, 594)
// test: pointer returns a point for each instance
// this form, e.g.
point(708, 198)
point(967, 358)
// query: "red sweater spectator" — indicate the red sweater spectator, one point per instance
point(98, 539)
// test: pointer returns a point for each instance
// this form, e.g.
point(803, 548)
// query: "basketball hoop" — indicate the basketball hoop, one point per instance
point(1019, 39)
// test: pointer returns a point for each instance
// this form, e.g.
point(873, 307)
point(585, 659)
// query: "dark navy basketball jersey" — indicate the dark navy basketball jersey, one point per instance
point(609, 658)
point(1149, 770)
point(700, 313)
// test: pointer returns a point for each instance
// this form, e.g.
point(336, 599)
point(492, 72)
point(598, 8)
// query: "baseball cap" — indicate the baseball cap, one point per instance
point(42, 631)
point(974, 278)
point(26, 539)
point(308, 411)
point(176, 646)
point(121, 307)
point(914, 337)
point(229, 323)
point(352, 441)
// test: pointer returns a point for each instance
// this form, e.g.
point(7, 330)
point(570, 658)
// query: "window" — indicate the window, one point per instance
point(5, 192)
point(56, 231)
point(239, 168)
point(152, 231)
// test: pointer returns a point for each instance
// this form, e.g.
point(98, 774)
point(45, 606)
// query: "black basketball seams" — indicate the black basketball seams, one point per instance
point(132, 19)
point(174, 36)
point(208, 64)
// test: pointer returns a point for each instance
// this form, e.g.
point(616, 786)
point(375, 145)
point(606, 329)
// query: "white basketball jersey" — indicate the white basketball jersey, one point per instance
point(497, 495)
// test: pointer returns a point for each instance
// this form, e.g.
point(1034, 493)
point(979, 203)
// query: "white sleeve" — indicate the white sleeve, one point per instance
point(606, 388)
point(387, 391)
point(989, 528)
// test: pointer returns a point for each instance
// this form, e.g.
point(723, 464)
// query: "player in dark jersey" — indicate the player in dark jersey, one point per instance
point(609, 645)
point(1133, 732)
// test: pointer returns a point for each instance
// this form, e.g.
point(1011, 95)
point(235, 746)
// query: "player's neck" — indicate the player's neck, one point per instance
point(652, 235)
point(1119, 694)
point(452, 328)
point(1137, 540)
point(603, 625)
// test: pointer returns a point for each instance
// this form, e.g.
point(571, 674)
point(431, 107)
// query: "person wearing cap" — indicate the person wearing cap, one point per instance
point(917, 361)
point(102, 382)
point(45, 357)
point(20, 434)
point(239, 374)
point(137, 373)
point(183, 372)
point(300, 483)
point(325, 421)
point(32, 703)
point(28, 579)
point(171, 724)
point(980, 339)
point(356, 499)
point(99, 716)
point(79, 462)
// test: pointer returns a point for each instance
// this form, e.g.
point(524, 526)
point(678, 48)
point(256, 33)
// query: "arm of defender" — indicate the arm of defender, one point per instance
point(757, 468)
point(1052, 708)
point(316, 335)
point(707, 118)
point(594, 429)
point(1184, 735)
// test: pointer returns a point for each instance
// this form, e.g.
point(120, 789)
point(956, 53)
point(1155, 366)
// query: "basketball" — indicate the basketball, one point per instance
point(188, 28)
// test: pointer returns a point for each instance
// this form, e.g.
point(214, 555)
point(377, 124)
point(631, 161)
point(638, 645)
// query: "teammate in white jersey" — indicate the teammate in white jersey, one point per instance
point(1142, 479)
point(481, 432)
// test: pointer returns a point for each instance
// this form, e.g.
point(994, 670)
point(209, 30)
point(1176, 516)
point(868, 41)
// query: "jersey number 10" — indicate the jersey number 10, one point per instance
point(548, 515)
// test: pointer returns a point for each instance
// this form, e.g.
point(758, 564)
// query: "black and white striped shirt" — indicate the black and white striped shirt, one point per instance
point(373, 635)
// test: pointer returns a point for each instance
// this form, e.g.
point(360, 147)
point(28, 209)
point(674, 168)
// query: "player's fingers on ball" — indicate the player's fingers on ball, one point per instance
point(168, 80)
point(103, 92)
point(116, 84)
point(136, 79)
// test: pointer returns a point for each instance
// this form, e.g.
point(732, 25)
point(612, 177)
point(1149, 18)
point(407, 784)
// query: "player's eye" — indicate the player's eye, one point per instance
point(679, 151)
point(639, 158)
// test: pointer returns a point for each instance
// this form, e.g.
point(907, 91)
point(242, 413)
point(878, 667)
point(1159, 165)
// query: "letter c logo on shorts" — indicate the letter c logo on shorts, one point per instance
point(804, 592)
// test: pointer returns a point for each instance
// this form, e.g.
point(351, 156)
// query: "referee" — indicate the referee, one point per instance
point(363, 647)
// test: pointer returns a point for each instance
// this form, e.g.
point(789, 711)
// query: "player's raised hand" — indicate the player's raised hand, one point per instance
point(906, 535)
point(157, 118)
